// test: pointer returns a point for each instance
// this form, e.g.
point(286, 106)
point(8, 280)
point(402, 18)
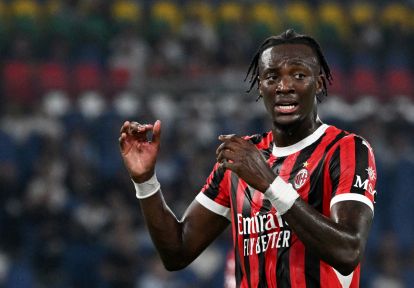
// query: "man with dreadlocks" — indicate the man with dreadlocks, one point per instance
point(299, 197)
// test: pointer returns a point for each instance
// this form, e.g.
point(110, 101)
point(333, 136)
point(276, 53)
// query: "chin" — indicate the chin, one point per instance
point(286, 121)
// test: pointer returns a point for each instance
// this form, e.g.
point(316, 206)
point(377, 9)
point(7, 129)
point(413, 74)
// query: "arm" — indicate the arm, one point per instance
point(178, 242)
point(338, 240)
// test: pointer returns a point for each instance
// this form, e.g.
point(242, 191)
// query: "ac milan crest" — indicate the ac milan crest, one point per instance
point(301, 178)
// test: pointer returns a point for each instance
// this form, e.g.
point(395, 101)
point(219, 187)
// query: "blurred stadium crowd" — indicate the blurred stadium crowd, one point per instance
point(73, 71)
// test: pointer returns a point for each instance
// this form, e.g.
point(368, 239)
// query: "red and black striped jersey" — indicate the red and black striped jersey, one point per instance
point(328, 166)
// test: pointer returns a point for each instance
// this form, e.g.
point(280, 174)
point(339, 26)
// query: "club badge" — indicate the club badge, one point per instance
point(300, 178)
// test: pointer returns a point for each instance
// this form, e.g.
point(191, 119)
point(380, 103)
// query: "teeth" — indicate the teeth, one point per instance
point(286, 107)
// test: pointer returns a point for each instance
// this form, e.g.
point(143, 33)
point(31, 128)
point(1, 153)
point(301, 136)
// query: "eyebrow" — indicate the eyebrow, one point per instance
point(301, 62)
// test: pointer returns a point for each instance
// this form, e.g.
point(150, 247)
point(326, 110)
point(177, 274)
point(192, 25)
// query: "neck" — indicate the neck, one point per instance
point(290, 134)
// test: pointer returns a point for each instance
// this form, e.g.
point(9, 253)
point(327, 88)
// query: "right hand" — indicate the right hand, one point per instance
point(138, 152)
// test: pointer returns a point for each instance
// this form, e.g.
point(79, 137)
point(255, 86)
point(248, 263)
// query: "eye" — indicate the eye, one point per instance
point(299, 76)
point(272, 77)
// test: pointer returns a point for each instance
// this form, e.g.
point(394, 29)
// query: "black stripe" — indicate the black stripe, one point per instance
point(335, 162)
point(278, 164)
point(213, 189)
point(283, 266)
point(315, 197)
point(262, 266)
point(238, 268)
point(256, 139)
point(233, 190)
point(361, 159)
point(247, 212)
point(335, 169)
point(312, 267)
point(267, 152)
point(316, 192)
point(262, 262)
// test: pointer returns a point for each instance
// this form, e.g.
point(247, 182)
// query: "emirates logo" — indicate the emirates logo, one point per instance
point(300, 178)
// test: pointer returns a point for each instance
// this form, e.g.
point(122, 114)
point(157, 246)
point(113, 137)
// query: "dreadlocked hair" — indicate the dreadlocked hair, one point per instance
point(290, 37)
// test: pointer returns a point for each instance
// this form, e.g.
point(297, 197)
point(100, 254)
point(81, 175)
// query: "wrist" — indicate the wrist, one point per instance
point(147, 188)
point(143, 177)
point(281, 195)
point(268, 180)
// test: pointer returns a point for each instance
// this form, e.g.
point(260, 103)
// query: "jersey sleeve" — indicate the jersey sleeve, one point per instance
point(353, 172)
point(215, 193)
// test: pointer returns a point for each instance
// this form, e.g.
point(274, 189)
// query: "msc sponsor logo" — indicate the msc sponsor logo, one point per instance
point(360, 184)
point(366, 185)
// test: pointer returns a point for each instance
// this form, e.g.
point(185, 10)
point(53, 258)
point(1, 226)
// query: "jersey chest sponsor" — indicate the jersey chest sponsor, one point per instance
point(261, 232)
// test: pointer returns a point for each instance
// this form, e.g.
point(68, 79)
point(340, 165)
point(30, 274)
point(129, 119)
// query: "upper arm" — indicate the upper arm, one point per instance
point(355, 216)
point(200, 227)
point(353, 173)
point(208, 215)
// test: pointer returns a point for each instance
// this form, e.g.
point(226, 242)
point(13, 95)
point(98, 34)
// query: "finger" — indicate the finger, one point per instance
point(233, 146)
point(232, 138)
point(122, 141)
point(228, 137)
point(228, 165)
point(137, 127)
point(124, 127)
point(156, 132)
point(226, 156)
point(140, 131)
point(221, 147)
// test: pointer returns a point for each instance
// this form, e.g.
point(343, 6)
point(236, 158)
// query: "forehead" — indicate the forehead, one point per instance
point(288, 53)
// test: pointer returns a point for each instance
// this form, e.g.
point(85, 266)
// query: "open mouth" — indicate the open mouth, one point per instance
point(286, 108)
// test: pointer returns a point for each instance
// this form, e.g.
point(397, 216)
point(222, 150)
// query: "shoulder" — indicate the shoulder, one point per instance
point(345, 137)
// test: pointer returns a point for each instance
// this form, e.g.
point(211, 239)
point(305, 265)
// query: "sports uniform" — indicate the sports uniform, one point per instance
point(328, 166)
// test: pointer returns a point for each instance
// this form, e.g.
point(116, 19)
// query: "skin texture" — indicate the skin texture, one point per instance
point(288, 75)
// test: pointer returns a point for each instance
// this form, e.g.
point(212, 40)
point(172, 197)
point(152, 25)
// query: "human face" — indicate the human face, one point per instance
point(289, 80)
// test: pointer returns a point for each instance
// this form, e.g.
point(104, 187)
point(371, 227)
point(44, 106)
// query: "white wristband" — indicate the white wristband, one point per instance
point(281, 195)
point(147, 188)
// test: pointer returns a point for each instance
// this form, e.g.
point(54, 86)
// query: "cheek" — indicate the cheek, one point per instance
point(310, 90)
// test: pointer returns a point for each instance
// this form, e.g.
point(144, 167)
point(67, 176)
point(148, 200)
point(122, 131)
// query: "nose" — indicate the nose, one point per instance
point(285, 85)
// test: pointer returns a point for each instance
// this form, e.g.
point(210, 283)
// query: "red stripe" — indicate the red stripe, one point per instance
point(355, 277)
point(287, 166)
point(347, 160)
point(297, 262)
point(270, 255)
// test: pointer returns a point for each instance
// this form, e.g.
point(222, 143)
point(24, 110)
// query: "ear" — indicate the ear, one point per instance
point(319, 83)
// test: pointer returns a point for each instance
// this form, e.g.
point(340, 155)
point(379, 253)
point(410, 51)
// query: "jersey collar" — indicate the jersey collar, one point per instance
point(288, 150)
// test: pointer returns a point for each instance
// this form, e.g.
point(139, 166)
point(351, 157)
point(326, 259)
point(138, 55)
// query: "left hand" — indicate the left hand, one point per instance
point(243, 158)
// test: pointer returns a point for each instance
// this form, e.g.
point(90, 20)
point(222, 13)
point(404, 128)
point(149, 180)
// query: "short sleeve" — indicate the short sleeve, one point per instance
point(353, 172)
point(215, 193)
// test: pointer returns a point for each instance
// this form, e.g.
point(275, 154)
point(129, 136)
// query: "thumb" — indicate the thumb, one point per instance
point(156, 132)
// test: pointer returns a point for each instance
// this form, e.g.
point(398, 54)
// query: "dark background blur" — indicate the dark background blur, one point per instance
point(73, 71)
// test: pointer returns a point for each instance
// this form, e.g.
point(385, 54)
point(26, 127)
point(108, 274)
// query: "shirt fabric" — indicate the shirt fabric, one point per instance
point(327, 167)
